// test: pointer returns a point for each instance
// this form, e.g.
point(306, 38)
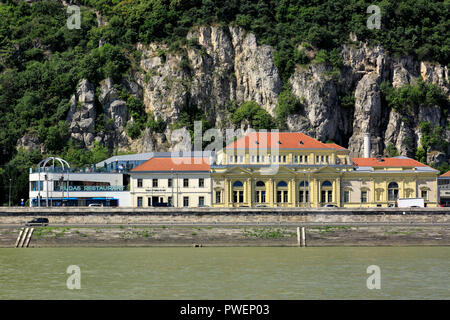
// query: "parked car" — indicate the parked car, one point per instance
point(96, 205)
point(37, 222)
point(330, 206)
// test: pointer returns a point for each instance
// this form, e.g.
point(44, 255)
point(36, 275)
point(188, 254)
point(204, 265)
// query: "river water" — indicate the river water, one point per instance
point(226, 273)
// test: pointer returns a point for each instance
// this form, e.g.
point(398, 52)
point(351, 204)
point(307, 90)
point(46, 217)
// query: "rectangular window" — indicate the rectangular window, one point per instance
point(231, 159)
point(186, 183)
point(424, 194)
point(278, 196)
point(326, 159)
point(306, 159)
point(139, 183)
point(364, 196)
point(139, 201)
point(330, 196)
point(285, 196)
point(169, 201)
point(241, 159)
point(295, 159)
point(323, 196)
point(392, 194)
point(155, 183)
point(284, 159)
point(235, 196)
point(201, 201)
point(217, 196)
point(321, 158)
point(185, 201)
point(149, 202)
point(346, 196)
point(317, 159)
point(241, 196)
point(263, 196)
point(201, 182)
point(169, 183)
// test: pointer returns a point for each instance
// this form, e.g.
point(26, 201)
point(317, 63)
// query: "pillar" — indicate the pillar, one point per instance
point(226, 193)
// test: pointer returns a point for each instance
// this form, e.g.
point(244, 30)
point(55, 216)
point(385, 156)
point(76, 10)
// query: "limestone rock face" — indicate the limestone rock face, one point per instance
point(368, 112)
point(219, 68)
point(318, 93)
point(30, 141)
point(82, 114)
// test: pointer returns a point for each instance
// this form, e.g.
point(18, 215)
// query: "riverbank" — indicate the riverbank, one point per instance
point(206, 236)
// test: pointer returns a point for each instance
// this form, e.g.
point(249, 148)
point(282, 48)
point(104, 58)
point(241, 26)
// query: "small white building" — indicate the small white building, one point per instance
point(171, 182)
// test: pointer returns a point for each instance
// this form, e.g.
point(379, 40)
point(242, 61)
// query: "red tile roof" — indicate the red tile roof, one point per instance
point(175, 164)
point(334, 146)
point(447, 174)
point(287, 140)
point(387, 162)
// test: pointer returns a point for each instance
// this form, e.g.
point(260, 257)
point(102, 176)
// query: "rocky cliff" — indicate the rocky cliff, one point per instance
point(222, 67)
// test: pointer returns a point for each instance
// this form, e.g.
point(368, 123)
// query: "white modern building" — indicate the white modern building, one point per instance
point(55, 183)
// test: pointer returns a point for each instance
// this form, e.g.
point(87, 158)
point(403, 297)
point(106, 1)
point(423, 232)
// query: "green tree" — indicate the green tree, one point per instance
point(257, 117)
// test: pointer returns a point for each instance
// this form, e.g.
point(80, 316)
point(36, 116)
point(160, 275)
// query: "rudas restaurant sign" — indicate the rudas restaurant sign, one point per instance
point(94, 188)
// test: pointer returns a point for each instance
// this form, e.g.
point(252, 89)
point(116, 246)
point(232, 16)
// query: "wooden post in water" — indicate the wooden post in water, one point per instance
point(303, 237)
point(27, 241)
point(298, 237)
point(20, 237)
point(23, 238)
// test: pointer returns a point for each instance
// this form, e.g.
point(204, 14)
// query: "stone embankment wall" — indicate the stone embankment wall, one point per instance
point(266, 215)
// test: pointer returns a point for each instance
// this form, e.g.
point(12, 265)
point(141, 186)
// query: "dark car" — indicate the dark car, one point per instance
point(38, 222)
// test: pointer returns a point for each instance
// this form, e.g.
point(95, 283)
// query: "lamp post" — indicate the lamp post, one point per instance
point(10, 192)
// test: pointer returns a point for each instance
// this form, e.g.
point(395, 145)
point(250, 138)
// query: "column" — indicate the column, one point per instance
point(249, 192)
point(294, 192)
point(338, 192)
point(270, 195)
point(373, 198)
point(318, 193)
point(225, 193)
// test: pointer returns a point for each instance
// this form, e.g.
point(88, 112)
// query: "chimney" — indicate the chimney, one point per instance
point(366, 145)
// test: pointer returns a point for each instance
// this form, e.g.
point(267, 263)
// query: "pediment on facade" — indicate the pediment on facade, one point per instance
point(327, 170)
point(275, 170)
point(237, 170)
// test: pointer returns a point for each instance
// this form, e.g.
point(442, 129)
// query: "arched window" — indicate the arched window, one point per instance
point(326, 194)
point(392, 191)
point(326, 184)
point(282, 192)
point(260, 192)
point(238, 192)
point(282, 184)
point(260, 184)
point(303, 192)
point(393, 185)
point(238, 184)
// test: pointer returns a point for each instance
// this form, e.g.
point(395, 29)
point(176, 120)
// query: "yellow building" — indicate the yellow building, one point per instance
point(291, 169)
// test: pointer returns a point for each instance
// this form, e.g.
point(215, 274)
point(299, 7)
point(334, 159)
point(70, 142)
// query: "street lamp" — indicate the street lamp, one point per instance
point(10, 192)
